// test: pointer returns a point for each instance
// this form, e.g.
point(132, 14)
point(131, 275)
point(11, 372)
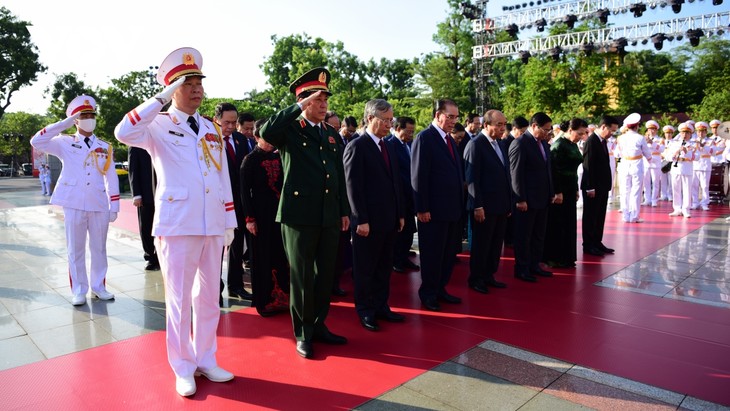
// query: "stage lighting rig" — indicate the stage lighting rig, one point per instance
point(638, 9)
point(570, 20)
point(694, 36)
point(524, 56)
point(658, 40)
point(676, 5)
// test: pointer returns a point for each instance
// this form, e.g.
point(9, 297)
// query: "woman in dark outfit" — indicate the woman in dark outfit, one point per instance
point(560, 236)
point(261, 181)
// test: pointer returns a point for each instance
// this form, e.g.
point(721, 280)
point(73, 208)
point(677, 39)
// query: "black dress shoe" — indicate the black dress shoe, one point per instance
point(305, 349)
point(339, 292)
point(541, 272)
point(399, 269)
point(448, 298)
point(494, 283)
point(411, 266)
point(526, 277)
point(593, 251)
point(605, 249)
point(269, 312)
point(431, 305)
point(151, 266)
point(240, 293)
point(330, 338)
point(479, 287)
point(369, 323)
point(391, 317)
point(412, 253)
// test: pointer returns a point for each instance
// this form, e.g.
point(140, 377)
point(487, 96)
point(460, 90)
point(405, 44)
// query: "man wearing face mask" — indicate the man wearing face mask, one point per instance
point(194, 213)
point(88, 191)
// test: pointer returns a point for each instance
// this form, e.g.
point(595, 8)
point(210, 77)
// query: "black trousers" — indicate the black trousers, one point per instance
point(594, 218)
point(145, 216)
point(438, 242)
point(561, 233)
point(235, 260)
point(268, 261)
point(529, 239)
point(486, 246)
point(372, 265)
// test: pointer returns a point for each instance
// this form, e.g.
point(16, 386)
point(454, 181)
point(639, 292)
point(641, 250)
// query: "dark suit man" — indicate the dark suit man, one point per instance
point(438, 184)
point(313, 207)
point(236, 149)
point(489, 201)
point(401, 143)
point(519, 126)
point(472, 127)
point(245, 125)
point(142, 182)
point(373, 188)
point(529, 157)
point(596, 184)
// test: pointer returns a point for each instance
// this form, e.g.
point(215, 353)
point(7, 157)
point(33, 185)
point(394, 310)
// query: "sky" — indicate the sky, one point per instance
point(103, 40)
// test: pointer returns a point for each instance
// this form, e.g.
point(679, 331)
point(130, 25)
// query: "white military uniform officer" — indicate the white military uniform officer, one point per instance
point(681, 153)
point(631, 148)
point(88, 191)
point(702, 167)
point(194, 216)
point(652, 167)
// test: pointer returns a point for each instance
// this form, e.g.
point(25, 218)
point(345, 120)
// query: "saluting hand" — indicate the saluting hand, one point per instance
point(165, 96)
point(305, 102)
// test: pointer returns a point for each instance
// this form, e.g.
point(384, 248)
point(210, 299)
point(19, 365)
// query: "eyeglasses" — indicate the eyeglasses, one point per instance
point(385, 120)
point(451, 117)
point(547, 130)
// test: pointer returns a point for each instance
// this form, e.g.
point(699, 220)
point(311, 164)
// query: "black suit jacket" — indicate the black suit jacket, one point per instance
point(437, 178)
point(531, 174)
point(596, 165)
point(238, 141)
point(374, 190)
point(141, 175)
point(404, 166)
point(487, 177)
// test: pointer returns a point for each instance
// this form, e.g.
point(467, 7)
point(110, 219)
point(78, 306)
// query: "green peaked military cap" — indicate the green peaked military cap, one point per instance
point(314, 80)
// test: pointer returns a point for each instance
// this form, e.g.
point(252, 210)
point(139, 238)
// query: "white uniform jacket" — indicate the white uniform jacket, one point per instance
point(193, 195)
point(83, 183)
point(703, 157)
point(683, 161)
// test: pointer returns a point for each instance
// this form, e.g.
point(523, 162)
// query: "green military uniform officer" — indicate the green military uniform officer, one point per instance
point(313, 206)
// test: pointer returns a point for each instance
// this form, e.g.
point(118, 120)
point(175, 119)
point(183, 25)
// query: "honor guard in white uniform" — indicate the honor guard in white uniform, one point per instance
point(718, 143)
point(702, 167)
point(652, 167)
point(681, 154)
point(88, 191)
point(194, 215)
point(42, 172)
point(631, 148)
point(668, 131)
point(611, 145)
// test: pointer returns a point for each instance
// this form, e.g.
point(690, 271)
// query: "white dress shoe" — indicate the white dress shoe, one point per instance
point(216, 374)
point(675, 213)
point(78, 299)
point(103, 295)
point(705, 208)
point(185, 386)
point(686, 215)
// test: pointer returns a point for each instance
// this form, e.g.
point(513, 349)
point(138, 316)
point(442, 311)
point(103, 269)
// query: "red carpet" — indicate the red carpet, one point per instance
point(675, 345)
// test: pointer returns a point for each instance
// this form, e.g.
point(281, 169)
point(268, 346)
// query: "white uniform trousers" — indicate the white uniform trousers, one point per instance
point(191, 267)
point(681, 197)
point(700, 188)
point(580, 192)
point(631, 175)
point(652, 183)
point(666, 186)
point(78, 223)
point(612, 193)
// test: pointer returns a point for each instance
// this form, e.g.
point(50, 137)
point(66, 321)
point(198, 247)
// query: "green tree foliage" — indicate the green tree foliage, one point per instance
point(19, 65)
point(22, 126)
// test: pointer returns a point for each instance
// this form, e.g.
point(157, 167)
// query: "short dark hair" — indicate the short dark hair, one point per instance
point(350, 121)
point(540, 119)
point(221, 108)
point(257, 127)
point(440, 105)
point(608, 121)
point(520, 122)
point(575, 123)
point(470, 118)
point(403, 121)
point(459, 127)
point(328, 115)
point(244, 117)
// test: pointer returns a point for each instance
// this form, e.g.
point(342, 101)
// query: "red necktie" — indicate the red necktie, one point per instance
point(448, 144)
point(229, 149)
point(384, 152)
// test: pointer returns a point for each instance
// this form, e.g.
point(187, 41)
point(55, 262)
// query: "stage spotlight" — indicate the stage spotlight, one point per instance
point(525, 56)
point(676, 5)
point(602, 15)
point(586, 48)
point(716, 2)
point(694, 36)
point(644, 41)
point(540, 24)
point(633, 43)
point(680, 37)
point(638, 9)
point(720, 32)
point(570, 20)
point(554, 53)
point(670, 38)
point(658, 40)
point(512, 30)
point(619, 46)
